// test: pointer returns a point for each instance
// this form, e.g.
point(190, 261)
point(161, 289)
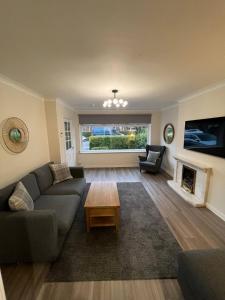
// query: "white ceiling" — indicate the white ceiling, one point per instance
point(154, 52)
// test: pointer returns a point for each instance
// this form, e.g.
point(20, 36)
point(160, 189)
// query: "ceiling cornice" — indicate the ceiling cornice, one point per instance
point(20, 87)
point(197, 93)
point(203, 91)
point(63, 103)
point(169, 107)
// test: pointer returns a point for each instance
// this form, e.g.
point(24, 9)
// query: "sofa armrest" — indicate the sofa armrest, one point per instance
point(77, 172)
point(142, 158)
point(28, 236)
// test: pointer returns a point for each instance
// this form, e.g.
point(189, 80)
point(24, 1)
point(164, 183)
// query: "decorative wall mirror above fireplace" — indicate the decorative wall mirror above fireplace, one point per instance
point(168, 133)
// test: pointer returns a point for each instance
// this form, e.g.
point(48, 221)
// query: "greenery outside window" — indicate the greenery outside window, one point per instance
point(114, 137)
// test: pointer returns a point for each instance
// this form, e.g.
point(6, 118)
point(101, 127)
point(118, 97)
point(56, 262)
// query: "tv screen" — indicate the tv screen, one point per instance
point(206, 136)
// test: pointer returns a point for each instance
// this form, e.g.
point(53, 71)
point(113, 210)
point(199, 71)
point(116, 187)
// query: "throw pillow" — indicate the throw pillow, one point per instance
point(21, 199)
point(153, 156)
point(61, 172)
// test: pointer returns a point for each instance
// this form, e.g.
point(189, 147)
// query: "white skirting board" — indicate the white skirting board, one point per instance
point(168, 172)
point(215, 211)
point(208, 205)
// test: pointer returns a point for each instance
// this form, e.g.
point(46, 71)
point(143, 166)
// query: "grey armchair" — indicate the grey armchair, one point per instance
point(149, 166)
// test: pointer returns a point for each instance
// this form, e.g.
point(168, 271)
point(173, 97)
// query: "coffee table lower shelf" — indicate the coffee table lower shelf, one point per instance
point(100, 219)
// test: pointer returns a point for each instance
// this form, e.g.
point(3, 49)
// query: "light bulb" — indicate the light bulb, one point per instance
point(121, 101)
point(110, 101)
point(125, 103)
point(117, 105)
point(115, 101)
point(109, 104)
point(105, 104)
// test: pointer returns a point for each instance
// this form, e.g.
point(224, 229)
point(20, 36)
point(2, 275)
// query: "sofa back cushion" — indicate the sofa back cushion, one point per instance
point(31, 185)
point(5, 193)
point(44, 177)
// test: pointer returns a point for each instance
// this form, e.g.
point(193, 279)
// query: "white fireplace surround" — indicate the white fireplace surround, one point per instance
point(199, 197)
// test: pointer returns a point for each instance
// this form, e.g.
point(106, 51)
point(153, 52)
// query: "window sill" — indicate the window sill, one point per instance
point(113, 151)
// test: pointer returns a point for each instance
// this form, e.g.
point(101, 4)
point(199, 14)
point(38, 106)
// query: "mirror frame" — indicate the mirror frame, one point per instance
point(164, 133)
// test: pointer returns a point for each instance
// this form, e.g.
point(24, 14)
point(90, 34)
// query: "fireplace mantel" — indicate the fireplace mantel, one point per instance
point(193, 163)
point(203, 171)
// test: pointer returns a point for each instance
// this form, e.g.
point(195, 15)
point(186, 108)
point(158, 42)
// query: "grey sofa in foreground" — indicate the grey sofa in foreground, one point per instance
point(201, 274)
point(38, 235)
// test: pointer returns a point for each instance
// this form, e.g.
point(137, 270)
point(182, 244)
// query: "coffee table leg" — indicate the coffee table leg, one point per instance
point(117, 218)
point(87, 219)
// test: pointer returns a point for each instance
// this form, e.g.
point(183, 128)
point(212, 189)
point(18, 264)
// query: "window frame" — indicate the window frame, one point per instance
point(148, 126)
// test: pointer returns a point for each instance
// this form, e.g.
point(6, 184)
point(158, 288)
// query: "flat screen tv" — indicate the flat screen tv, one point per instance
point(206, 136)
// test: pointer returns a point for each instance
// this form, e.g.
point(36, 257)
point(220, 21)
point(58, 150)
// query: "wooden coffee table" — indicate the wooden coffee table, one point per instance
point(102, 206)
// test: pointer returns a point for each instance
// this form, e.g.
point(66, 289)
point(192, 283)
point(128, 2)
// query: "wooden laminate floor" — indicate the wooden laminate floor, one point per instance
point(194, 228)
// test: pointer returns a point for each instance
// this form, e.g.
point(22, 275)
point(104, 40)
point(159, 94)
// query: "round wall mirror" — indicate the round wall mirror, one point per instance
point(14, 135)
point(168, 133)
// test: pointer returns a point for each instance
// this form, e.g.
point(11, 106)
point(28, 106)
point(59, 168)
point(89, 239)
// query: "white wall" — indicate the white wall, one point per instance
point(169, 115)
point(17, 102)
point(104, 160)
point(206, 105)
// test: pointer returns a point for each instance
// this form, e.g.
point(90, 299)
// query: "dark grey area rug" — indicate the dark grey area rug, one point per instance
point(144, 247)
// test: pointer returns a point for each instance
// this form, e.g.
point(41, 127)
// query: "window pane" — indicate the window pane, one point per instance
point(114, 137)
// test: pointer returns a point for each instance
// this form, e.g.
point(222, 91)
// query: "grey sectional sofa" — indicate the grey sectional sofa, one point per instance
point(38, 235)
point(201, 274)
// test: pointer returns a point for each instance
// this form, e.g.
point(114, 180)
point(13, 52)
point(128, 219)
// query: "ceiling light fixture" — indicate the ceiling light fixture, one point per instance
point(115, 102)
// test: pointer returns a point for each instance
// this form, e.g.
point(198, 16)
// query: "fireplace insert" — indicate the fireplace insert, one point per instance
point(188, 179)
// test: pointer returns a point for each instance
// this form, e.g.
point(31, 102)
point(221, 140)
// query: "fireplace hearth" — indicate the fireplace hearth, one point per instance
point(188, 179)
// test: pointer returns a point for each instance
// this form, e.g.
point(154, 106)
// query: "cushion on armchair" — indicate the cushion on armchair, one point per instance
point(153, 156)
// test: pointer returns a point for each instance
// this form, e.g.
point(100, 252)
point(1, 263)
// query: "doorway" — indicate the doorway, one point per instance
point(69, 143)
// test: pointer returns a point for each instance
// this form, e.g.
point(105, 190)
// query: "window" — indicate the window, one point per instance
point(114, 137)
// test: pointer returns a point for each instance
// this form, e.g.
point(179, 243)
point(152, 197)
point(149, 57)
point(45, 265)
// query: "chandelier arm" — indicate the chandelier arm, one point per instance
point(116, 102)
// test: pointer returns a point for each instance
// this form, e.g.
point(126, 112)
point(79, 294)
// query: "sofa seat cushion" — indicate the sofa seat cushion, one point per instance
point(67, 187)
point(201, 272)
point(147, 163)
point(65, 207)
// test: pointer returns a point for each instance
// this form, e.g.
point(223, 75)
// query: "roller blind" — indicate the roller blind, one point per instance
point(115, 119)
